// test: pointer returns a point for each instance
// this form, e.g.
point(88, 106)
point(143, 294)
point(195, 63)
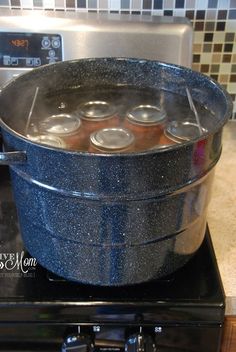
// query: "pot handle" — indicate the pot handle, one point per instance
point(9, 158)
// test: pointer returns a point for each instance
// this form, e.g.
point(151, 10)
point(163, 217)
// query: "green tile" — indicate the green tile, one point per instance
point(210, 26)
point(207, 48)
point(15, 3)
point(229, 37)
point(70, 3)
point(147, 4)
point(233, 68)
point(215, 68)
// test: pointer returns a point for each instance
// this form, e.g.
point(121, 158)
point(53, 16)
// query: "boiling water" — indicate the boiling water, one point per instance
point(117, 119)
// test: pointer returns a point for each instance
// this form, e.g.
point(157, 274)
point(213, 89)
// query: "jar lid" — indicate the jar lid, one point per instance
point(146, 115)
point(184, 131)
point(96, 110)
point(47, 139)
point(112, 139)
point(60, 124)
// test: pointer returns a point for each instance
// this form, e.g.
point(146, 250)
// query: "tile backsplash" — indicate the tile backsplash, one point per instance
point(214, 23)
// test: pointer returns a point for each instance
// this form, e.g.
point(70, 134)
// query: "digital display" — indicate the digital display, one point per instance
point(23, 43)
point(29, 49)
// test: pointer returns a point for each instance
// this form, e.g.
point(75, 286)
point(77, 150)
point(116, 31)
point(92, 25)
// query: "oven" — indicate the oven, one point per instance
point(40, 311)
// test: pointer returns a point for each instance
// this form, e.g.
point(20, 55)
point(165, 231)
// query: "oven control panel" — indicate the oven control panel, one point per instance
point(29, 50)
point(111, 339)
point(63, 35)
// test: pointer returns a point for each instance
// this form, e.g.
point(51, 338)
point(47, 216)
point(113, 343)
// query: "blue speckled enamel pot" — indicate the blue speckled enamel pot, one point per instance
point(112, 219)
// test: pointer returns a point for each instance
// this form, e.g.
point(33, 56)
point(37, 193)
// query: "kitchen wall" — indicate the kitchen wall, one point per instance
point(214, 23)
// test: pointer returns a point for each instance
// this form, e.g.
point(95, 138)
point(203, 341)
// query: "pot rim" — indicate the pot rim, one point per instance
point(185, 144)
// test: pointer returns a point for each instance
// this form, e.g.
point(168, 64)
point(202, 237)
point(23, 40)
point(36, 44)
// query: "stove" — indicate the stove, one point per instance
point(181, 312)
point(42, 312)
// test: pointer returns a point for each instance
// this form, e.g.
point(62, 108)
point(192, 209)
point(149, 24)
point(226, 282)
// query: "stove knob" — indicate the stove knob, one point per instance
point(77, 343)
point(140, 343)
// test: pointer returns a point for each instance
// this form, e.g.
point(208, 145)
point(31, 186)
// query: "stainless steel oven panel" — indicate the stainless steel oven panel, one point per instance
point(86, 35)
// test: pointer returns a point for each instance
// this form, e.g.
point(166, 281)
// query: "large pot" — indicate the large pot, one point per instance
point(116, 218)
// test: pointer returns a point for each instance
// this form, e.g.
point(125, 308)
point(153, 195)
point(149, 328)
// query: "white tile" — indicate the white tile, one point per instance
point(179, 12)
point(223, 4)
point(190, 4)
point(234, 103)
point(219, 37)
point(114, 5)
point(230, 26)
point(136, 4)
point(157, 12)
point(231, 88)
point(168, 4)
point(49, 4)
point(211, 14)
point(206, 58)
point(198, 37)
point(26, 4)
point(201, 4)
point(103, 4)
point(60, 4)
point(225, 68)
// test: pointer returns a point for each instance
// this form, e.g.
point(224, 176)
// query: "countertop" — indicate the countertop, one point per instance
point(222, 216)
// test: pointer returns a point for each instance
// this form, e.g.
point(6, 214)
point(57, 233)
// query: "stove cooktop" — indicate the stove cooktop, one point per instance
point(197, 282)
point(30, 295)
